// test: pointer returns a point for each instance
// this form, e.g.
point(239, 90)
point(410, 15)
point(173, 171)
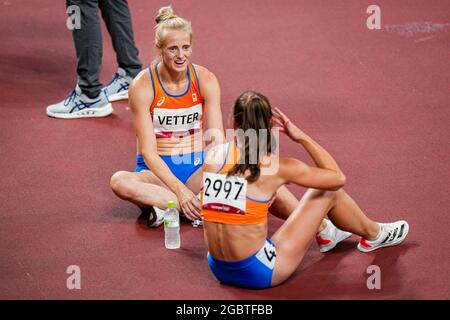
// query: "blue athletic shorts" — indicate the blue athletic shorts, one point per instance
point(254, 272)
point(182, 166)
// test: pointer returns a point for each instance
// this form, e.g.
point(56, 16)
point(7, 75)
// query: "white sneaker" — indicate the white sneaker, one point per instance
point(197, 223)
point(156, 217)
point(117, 89)
point(78, 105)
point(390, 234)
point(329, 237)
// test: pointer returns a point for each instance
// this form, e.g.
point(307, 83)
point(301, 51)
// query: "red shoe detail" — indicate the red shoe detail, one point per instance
point(364, 243)
point(321, 241)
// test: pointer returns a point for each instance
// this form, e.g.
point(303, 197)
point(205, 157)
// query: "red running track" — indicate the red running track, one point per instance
point(377, 99)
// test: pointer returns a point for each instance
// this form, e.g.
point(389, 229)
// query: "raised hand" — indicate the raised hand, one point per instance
point(284, 124)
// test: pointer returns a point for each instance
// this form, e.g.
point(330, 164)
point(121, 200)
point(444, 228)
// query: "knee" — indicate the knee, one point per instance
point(331, 195)
point(338, 194)
point(120, 184)
point(335, 196)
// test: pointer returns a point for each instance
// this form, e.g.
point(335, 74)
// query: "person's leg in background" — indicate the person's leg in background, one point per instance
point(88, 46)
point(87, 100)
point(117, 17)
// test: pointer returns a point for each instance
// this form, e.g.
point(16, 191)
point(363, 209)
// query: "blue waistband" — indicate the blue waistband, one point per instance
point(177, 157)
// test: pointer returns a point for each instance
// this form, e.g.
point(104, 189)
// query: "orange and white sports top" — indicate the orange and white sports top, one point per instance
point(224, 199)
point(177, 119)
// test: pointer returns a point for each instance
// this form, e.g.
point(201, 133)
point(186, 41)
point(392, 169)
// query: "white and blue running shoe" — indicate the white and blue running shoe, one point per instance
point(78, 105)
point(117, 89)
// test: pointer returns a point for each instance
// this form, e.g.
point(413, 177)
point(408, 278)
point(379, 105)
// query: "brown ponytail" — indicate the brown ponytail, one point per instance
point(252, 114)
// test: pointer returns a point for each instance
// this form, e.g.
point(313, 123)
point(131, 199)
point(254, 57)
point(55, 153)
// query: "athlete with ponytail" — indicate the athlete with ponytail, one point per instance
point(239, 186)
point(172, 102)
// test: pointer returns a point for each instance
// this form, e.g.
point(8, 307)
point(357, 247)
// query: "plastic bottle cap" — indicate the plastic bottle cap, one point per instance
point(171, 204)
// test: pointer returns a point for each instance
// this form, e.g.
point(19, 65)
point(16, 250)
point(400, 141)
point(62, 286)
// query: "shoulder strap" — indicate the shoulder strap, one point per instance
point(231, 158)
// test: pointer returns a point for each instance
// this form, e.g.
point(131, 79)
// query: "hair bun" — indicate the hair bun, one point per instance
point(165, 13)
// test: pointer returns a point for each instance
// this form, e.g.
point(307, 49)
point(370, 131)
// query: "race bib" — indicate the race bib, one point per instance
point(225, 194)
point(166, 122)
point(267, 255)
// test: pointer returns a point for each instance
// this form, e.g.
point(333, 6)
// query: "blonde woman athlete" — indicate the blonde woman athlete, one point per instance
point(172, 102)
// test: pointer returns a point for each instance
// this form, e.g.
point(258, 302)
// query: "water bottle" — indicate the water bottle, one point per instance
point(171, 227)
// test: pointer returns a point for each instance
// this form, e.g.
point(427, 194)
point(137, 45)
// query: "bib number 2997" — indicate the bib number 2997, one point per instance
point(222, 193)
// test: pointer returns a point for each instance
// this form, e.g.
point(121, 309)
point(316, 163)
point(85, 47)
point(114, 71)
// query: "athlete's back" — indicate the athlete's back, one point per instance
point(231, 236)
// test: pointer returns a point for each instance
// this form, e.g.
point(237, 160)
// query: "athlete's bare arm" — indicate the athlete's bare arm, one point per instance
point(327, 175)
point(298, 172)
point(210, 90)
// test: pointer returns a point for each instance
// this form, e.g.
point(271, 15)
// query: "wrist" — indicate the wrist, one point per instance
point(179, 187)
point(302, 138)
